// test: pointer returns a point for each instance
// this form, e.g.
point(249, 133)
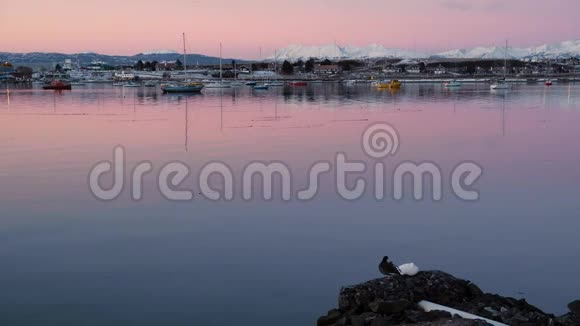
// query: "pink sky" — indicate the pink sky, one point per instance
point(132, 26)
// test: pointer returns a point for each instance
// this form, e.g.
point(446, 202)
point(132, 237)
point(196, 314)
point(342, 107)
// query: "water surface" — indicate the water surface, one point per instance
point(70, 258)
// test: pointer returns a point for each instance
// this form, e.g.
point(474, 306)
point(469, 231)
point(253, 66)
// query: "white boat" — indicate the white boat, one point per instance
point(118, 84)
point(132, 85)
point(452, 84)
point(275, 84)
point(218, 85)
point(502, 84)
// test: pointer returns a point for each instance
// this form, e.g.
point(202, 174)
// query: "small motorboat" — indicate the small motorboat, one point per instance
point(452, 84)
point(57, 85)
point(218, 85)
point(118, 84)
point(548, 82)
point(132, 85)
point(260, 87)
point(393, 84)
point(251, 83)
point(275, 84)
point(500, 84)
point(150, 83)
point(298, 83)
point(193, 87)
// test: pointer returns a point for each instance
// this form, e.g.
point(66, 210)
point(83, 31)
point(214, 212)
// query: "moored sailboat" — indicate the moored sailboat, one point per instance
point(501, 83)
point(185, 87)
point(221, 83)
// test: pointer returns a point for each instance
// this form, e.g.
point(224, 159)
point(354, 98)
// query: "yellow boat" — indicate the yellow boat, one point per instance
point(391, 84)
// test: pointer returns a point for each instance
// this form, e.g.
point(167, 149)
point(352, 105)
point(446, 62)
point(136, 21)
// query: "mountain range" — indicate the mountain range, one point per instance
point(564, 49)
point(36, 59)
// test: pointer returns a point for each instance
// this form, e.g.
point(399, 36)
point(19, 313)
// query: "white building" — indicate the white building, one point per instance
point(68, 65)
point(124, 75)
point(440, 70)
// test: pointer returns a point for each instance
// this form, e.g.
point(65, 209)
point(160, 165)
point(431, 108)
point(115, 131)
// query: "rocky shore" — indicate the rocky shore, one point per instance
point(394, 300)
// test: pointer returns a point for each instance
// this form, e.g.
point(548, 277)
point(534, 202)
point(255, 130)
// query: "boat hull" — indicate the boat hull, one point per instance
point(50, 87)
point(275, 84)
point(182, 89)
point(218, 86)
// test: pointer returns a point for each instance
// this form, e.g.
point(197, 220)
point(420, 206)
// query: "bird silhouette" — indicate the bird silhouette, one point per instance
point(388, 268)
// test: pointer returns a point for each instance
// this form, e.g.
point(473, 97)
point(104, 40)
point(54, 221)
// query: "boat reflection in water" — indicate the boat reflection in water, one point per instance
point(57, 85)
point(192, 87)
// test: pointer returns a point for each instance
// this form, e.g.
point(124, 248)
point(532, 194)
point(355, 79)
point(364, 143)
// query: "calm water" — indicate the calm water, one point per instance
point(72, 259)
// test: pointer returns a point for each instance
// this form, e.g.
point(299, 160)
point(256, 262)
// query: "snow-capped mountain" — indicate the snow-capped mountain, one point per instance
point(160, 51)
point(333, 51)
point(549, 51)
point(564, 49)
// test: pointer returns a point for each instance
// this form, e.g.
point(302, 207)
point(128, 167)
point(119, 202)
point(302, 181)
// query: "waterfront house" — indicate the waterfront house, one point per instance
point(166, 65)
point(440, 70)
point(326, 69)
point(242, 69)
point(414, 69)
point(68, 65)
point(392, 69)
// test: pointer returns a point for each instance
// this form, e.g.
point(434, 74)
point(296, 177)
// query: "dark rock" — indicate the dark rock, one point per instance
point(381, 321)
point(357, 320)
point(391, 300)
point(574, 307)
point(331, 317)
point(389, 307)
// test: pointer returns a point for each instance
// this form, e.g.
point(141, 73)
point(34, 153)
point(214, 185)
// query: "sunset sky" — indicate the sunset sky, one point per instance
point(131, 26)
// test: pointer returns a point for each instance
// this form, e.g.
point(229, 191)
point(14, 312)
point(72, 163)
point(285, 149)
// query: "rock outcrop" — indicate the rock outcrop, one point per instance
point(392, 300)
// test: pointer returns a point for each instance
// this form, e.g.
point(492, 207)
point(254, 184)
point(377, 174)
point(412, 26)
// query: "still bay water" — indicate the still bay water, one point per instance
point(71, 259)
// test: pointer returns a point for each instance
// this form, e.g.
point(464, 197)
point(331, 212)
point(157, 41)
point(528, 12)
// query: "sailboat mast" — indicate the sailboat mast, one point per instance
point(505, 60)
point(221, 78)
point(184, 58)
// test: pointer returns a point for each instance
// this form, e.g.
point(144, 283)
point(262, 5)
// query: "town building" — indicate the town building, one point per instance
point(326, 69)
point(166, 65)
point(392, 69)
point(440, 70)
point(68, 65)
point(414, 69)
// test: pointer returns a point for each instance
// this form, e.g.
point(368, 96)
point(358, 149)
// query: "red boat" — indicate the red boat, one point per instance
point(548, 83)
point(298, 83)
point(58, 85)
